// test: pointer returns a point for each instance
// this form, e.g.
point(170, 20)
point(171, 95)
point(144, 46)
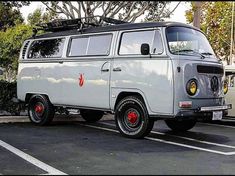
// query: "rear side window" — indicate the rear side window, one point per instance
point(51, 48)
point(131, 41)
point(90, 45)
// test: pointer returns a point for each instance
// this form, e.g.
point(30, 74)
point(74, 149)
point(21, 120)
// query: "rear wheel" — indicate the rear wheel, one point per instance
point(40, 110)
point(180, 126)
point(132, 118)
point(91, 115)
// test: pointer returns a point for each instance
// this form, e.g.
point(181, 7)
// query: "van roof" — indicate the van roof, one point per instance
point(117, 27)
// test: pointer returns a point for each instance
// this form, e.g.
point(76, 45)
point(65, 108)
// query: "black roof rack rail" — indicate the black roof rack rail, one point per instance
point(112, 20)
point(78, 23)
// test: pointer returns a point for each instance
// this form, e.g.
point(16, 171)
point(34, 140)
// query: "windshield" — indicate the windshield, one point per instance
point(183, 40)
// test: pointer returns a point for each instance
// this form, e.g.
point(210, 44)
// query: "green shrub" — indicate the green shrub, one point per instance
point(8, 98)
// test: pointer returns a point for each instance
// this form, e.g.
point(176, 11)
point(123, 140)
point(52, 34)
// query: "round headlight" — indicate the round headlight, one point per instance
point(225, 87)
point(191, 87)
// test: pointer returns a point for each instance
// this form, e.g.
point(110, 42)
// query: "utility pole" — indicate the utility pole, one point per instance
point(232, 37)
point(197, 14)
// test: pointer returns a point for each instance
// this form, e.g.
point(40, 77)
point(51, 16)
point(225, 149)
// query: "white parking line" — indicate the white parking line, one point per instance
point(190, 146)
point(32, 160)
point(195, 140)
point(167, 142)
point(217, 125)
point(182, 137)
point(101, 128)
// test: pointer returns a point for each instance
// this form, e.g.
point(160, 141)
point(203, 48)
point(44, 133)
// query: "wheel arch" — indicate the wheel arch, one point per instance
point(30, 95)
point(123, 94)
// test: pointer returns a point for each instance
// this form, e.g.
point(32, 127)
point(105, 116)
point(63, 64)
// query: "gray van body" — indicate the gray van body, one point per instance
point(160, 79)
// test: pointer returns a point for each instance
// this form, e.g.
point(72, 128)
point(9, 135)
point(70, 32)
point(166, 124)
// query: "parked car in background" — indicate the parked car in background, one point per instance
point(230, 96)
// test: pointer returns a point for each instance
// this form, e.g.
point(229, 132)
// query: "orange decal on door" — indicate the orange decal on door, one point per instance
point(81, 80)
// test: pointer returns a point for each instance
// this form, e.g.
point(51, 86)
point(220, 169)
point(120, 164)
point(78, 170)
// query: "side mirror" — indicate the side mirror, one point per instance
point(145, 49)
point(1, 71)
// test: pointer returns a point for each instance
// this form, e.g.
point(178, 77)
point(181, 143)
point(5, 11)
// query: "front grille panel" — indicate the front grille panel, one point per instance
point(210, 69)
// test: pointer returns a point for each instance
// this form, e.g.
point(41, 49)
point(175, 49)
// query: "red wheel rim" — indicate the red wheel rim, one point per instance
point(39, 109)
point(132, 117)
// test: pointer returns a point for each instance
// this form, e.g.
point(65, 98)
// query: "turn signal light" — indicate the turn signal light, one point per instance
point(185, 104)
point(225, 87)
point(191, 87)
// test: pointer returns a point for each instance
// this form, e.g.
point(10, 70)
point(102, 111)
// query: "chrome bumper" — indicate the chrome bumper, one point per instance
point(215, 108)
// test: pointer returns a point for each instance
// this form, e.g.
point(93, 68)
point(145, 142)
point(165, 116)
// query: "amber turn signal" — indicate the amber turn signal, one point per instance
point(225, 87)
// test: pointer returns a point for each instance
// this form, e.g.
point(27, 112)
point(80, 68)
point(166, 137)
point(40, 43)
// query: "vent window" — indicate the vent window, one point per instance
point(24, 49)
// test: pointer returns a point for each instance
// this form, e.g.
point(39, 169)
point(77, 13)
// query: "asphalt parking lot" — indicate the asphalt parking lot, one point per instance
point(71, 146)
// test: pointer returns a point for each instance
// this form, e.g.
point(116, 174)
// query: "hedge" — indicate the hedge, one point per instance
point(8, 98)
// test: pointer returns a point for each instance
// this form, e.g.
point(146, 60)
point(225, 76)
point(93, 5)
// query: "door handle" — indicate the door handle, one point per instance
point(105, 67)
point(117, 69)
point(61, 62)
point(105, 70)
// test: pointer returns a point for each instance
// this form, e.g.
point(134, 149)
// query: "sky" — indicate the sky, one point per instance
point(178, 15)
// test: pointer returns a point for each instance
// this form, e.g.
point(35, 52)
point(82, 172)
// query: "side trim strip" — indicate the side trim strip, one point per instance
point(82, 107)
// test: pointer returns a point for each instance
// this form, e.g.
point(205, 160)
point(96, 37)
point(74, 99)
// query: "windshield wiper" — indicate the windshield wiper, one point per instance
point(189, 50)
point(207, 53)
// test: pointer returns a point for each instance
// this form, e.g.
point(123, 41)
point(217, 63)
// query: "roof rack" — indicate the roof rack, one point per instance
point(78, 23)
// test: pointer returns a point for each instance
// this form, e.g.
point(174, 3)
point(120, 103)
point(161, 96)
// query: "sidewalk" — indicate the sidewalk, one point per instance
point(13, 119)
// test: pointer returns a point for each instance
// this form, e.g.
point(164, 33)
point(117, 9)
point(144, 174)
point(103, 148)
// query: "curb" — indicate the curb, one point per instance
point(12, 119)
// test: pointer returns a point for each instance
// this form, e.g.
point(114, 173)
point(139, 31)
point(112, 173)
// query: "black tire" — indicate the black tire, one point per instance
point(40, 110)
point(91, 115)
point(180, 126)
point(132, 119)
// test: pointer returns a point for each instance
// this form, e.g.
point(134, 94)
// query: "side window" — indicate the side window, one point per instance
point(91, 45)
point(157, 44)
point(99, 45)
point(46, 48)
point(131, 41)
point(78, 46)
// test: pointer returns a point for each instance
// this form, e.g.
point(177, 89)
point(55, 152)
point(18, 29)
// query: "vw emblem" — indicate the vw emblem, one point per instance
point(214, 83)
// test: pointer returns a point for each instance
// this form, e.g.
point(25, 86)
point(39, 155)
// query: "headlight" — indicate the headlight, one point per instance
point(225, 87)
point(191, 87)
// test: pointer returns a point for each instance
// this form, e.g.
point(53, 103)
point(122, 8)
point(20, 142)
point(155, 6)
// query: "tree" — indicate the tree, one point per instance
point(216, 24)
point(124, 10)
point(17, 4)
point(9, 16)
point(10, 45)
point(38, 16)
point(196, 15)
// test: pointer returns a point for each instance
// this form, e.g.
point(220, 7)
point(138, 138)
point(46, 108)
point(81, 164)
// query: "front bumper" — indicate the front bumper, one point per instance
point(214, 108)
point(204, 113)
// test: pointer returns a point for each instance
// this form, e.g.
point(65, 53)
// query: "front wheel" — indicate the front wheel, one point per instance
point(180, 126)
point(132, 118)
point(40, 110)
